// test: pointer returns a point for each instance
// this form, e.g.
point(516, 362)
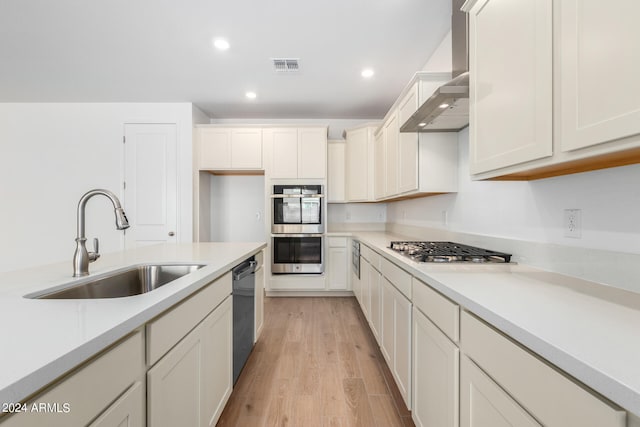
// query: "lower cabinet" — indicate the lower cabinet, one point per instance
point(365, 303)
point(108, 389)
point(127, 411)
point(396, 337)
point(485, 404)
point(375, 302)
point(191, 384)
point(435, 375)
point(259, 297)
point(338, 260)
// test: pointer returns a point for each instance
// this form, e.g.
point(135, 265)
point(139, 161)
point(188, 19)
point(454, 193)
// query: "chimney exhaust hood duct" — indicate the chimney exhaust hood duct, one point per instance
point(447, 110)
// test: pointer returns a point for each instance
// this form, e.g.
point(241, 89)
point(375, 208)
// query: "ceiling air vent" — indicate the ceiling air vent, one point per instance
point(286, 65)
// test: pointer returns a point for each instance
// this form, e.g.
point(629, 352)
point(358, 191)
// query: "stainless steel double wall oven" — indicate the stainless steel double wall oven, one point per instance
point(297, 229)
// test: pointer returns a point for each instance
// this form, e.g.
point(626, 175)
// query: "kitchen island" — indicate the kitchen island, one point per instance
point(45, 339)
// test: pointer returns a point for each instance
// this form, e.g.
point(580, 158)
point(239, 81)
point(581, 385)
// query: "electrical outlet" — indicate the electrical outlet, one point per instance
point(348, 215)
point(445, 220)
point(403, 214)
point(573, 223)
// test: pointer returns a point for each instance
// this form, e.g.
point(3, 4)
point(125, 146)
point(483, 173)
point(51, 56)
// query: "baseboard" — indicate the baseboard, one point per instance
point(309, 293)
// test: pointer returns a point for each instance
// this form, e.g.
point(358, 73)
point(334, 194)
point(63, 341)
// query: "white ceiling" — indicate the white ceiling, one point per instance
point(161, 51)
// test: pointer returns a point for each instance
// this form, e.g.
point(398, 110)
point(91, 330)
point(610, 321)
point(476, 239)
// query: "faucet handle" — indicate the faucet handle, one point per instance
point(96, 250)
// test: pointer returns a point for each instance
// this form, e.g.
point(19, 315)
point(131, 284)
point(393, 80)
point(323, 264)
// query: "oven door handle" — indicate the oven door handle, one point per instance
point(297, 196)
point(298, 235)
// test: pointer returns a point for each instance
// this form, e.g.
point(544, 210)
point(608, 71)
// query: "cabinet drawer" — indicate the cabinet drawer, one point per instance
point(444, 313)
point(397, 276)
point(170, 327)
point(547, 393)
point(371, 256)
point(337, 242)
point(90, 389)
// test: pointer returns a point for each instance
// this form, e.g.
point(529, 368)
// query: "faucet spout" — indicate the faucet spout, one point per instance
point(82, 257)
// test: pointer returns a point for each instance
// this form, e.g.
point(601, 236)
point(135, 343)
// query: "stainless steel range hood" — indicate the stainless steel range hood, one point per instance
point(447, 110)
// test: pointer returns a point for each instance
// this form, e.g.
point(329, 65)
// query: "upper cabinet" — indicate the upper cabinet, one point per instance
point(223, 148)
point(359, 163)
point(510, 119)
point(297, 152)
point(411, 164)
point(336, 171)
point(564, 99)
point(599, 67)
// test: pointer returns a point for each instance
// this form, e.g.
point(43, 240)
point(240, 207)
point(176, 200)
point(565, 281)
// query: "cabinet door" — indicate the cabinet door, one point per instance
point(436, 366)
point(365, 302)
point(387, 321)
point(336, 172)
point(312, 153)
point(357, 156)
point(217, 362)
point(402, 345)
point(259, 303)
point(380, 166)
point(375, 295)
point(175, 385)
point(246, 148)
point(127, 411)
point(356, 286)
point(485, 404)
point(391, 134)
point(284, 152)
point(510, 118)
point(215, 148)
point(600, 99)
point(338, 272)
point(408, 145)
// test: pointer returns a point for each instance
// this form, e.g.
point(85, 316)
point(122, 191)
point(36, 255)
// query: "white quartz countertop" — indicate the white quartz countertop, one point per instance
point(588, 330)
point(43, 339)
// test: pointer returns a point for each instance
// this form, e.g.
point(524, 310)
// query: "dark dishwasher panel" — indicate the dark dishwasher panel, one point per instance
point(243, 313)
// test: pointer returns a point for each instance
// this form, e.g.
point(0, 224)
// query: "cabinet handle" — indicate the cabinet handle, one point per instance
point(171, 233)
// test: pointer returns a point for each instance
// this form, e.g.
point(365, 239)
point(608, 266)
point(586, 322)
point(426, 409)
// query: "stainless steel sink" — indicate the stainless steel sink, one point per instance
point(134, 280)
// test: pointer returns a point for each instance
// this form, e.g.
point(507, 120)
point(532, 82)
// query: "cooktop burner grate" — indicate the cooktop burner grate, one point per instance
point(447, 252)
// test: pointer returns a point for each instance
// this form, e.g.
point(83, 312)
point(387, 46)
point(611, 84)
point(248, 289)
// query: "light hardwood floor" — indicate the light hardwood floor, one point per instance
point(316, 364)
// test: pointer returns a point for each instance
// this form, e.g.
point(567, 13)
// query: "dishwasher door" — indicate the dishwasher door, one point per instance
point(243, 313)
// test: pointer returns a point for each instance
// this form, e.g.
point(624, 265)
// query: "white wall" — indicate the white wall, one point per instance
point(440, 60)
point(237, 208)
point(534, 210)
point(52, 153)
point(338, 213)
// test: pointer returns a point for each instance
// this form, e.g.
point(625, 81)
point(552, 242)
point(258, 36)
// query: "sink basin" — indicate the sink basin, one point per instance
point(134, 280)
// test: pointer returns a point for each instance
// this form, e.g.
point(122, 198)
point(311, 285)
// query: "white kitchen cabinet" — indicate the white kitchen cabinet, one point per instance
point(127, 411)
point(338, 263)
point(365, 286)
point(312, 153)
point(360, 163)
point(90, 390)
point(408, 144)
point(510, 118)
point(375, 295)
point(435, 391)
point(548, 395)
point(259, 297)
point(224, 148)
point(599, 101)
point(336, 171)
point(396, 338)
point(391, 137)
point(192, 382)
point(485, 404)
point(380, 166)
point(356, 286)
point(297, 152)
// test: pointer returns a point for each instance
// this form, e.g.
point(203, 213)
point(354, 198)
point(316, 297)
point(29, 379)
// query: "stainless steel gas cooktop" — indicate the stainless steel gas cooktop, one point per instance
point(448, 252)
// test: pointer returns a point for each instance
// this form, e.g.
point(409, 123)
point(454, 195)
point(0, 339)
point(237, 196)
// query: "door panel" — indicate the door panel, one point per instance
point(150, 177)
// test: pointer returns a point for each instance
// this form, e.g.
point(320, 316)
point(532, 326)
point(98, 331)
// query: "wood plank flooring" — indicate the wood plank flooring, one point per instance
point(316, 364)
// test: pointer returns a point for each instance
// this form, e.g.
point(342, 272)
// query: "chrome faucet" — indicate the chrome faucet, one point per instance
point(82, 258)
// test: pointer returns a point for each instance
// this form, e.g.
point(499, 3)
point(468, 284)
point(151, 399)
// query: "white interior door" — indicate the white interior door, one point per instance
point(150, 183)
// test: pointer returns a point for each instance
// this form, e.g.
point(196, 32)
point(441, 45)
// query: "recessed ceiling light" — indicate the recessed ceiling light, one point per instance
point(422, 124)
point(221, 44)
point(251, 95)
point(367, 73)
point(444, 105)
